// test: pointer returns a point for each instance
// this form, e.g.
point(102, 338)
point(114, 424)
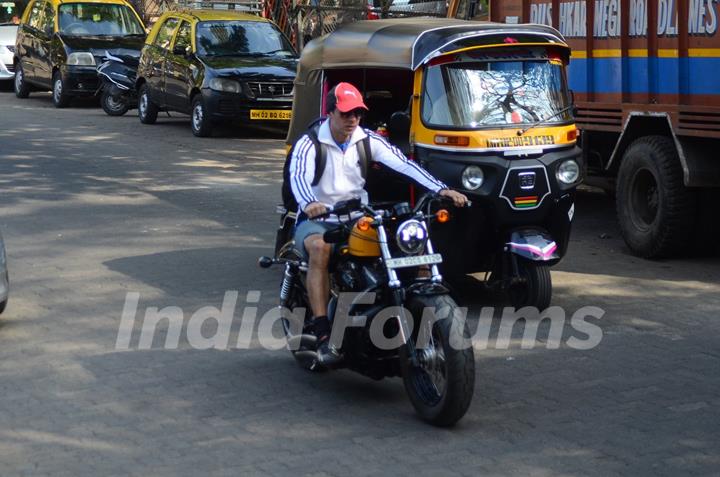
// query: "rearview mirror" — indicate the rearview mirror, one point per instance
point(399, 126)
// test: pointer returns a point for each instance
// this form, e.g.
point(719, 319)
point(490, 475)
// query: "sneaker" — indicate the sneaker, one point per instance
point(328, 355)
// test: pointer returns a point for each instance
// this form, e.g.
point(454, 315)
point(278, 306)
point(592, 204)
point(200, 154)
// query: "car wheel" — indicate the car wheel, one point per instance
point(147, 110)
point(200, 120)
point(22, 90)
point(59, 96)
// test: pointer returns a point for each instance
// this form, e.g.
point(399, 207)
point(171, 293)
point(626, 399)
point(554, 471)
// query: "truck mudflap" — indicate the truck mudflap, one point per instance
point(533, 244)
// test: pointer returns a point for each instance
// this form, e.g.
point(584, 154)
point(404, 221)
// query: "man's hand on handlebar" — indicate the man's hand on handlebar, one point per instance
point(460, 200)
point(315, 209)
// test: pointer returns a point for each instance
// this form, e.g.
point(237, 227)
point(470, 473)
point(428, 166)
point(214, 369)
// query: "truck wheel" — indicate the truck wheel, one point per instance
point(655, 210)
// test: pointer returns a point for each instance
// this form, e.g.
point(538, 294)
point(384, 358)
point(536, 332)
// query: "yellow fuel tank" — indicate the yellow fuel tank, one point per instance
point(363, 243)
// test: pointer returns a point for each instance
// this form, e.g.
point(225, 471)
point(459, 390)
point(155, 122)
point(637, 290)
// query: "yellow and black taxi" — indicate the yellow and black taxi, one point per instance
point(216, 66)
point(60, 42)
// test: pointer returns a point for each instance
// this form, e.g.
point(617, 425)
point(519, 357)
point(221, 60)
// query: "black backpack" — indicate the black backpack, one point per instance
point(288, 197)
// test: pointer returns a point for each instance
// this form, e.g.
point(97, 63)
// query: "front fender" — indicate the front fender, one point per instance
point(533, 244)
point(427, 289)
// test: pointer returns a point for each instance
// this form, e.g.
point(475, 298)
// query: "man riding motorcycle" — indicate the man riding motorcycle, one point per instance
point(341, 179)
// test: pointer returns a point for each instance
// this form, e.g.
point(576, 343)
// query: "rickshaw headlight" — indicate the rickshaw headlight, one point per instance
point(411, 237)
point(568, 172)
point(226, 85)
point(472, 178)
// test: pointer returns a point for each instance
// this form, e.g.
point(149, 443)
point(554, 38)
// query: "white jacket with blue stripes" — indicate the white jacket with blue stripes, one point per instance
point(342, 178)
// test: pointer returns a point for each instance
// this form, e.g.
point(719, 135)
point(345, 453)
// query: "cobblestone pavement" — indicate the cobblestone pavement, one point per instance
point(94, 207)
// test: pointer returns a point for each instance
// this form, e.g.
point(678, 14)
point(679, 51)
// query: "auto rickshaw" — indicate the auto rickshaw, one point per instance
point(485, 107)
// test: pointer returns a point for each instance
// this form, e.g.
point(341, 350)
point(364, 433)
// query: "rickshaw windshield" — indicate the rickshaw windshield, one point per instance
point(480, 94)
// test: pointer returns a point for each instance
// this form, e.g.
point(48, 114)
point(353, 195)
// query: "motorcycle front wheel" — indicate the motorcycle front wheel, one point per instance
point(113, 106)
point(441, 387)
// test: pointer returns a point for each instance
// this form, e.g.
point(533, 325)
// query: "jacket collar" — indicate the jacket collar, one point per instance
point(325, 136)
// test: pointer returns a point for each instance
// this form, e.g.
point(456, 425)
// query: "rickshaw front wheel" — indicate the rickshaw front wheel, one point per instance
point(533, 287)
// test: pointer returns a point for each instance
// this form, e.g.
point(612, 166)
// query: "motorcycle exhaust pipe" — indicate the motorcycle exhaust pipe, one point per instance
point(301, 341)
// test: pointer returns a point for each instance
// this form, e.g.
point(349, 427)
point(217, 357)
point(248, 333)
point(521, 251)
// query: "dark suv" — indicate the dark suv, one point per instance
point(216, 66)
point(59, 43)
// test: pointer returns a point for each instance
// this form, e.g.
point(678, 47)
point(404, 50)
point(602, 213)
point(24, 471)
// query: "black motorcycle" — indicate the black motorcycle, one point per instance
point(395, 316)
point(117, 83)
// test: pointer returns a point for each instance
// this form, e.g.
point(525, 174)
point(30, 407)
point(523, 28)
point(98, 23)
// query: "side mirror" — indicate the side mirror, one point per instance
point(48, 30)
point(399, 126)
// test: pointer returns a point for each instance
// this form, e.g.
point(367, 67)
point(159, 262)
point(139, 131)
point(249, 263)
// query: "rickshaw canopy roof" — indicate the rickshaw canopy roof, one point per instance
point(400, 43)
point(407, 43)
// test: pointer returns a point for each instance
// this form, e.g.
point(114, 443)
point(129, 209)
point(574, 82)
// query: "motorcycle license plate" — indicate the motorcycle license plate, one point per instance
point(414, 261)
point(270, 114)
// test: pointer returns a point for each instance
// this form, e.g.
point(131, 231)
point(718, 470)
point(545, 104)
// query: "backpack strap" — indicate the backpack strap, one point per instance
point(320, 155)
point(365, 154)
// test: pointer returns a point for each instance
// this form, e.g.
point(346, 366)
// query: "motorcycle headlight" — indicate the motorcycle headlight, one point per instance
point(226, 85)
point(568, 172)
point(81, 58)
point(411, 237)
point(472, 178)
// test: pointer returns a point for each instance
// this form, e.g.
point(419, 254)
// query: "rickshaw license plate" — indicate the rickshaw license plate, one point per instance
point(270, 114)
point(414, 261)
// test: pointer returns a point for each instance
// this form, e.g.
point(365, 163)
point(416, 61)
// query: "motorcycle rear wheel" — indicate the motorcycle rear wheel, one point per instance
point(112, 106)
point(442, 387)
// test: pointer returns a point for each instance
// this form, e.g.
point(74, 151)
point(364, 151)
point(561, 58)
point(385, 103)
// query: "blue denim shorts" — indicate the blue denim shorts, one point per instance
point(308, 228)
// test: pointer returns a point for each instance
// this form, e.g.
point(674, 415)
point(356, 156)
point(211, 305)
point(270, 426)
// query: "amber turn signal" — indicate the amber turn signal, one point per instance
point(364, 224)
point(442, 216)
point(572, 135)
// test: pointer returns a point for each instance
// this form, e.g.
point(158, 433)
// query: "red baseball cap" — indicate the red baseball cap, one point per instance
point(347, 97)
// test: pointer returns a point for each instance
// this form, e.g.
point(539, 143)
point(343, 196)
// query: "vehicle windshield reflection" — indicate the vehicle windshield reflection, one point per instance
point(241, 38)
point(476, 94)
point(97, 19)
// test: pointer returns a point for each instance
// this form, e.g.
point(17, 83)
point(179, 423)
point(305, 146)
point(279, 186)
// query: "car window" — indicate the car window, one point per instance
point(164, 36)
point(48, 21)
point(98, 19)
point(241, 38)
point(36, 15)
point(10, 12)
point(184, 36)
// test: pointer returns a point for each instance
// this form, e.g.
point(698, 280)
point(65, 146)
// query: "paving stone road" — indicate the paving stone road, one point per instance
point(95, 207)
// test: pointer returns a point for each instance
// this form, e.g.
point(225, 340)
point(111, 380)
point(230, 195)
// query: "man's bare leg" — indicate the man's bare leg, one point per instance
point(318, 277)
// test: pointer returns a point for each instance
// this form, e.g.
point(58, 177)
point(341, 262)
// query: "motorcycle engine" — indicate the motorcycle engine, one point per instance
point(348, 276)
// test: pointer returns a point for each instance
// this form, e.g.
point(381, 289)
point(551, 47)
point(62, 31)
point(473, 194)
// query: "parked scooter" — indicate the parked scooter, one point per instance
point(117, 76)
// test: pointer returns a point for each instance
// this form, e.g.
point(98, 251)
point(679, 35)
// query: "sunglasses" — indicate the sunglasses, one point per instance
point(355, 113)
